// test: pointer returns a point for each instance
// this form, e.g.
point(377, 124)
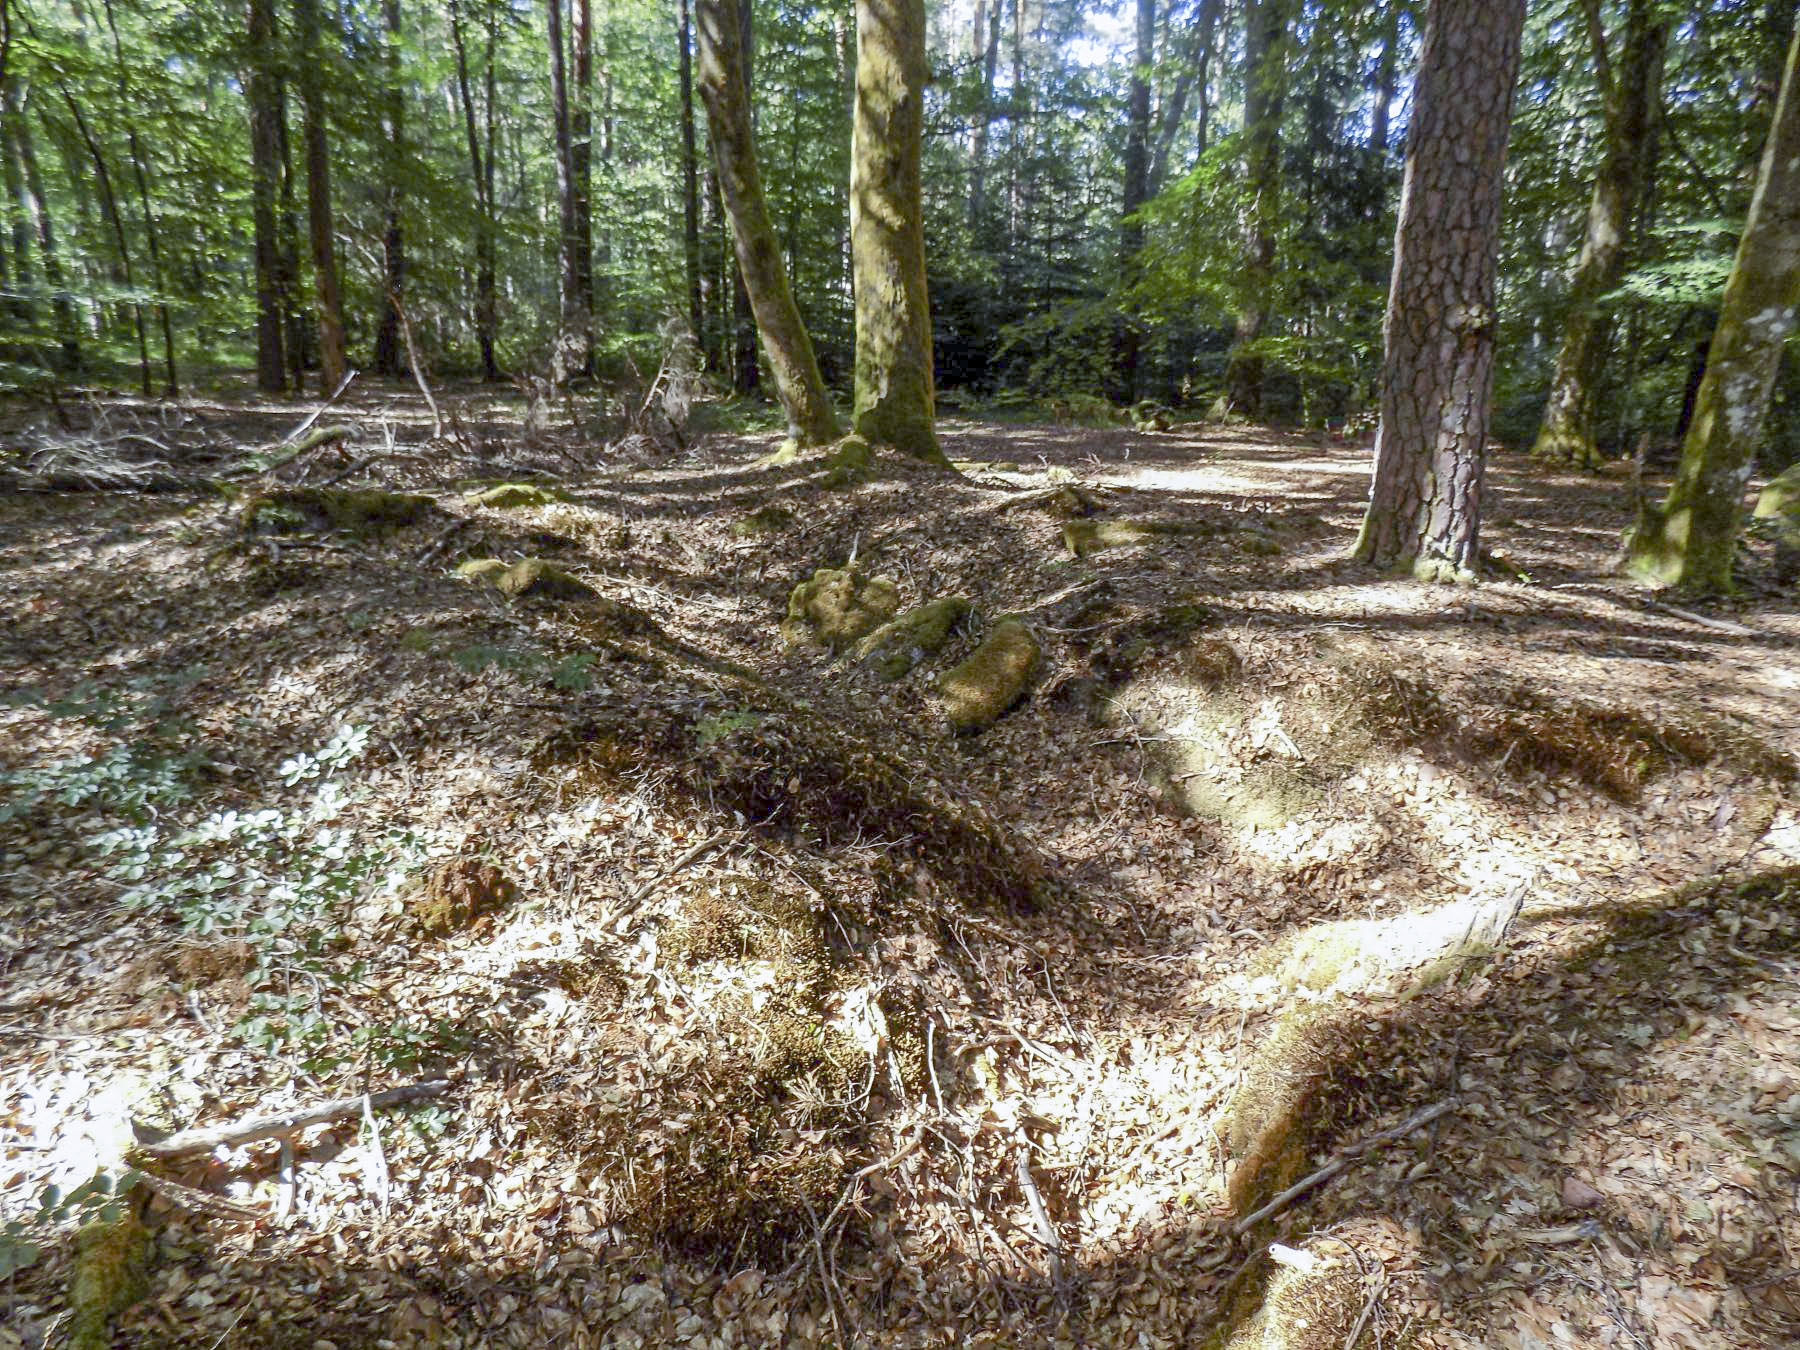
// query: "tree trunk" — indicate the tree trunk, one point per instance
point(393, 254)
point(1265, 89)
point(570, 324)
point(690, 175)
point(789, 349)
point(894, 394)
point(985, 48)
point(1632, 98)
point(37, 210)
point(19, 304)
point(1136, 189)
point(1437, 375)
point(333, 361)
point(115, 224)
point(1689, 540)
point(747, 376)
point(1188, 81)
point(301, 338)
point(581, 176)
point(481, 173)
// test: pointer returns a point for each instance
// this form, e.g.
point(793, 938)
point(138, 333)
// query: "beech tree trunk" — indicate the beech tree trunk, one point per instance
point(747, 375)
point(1265, 90)
point(393, 252)
point(1189, 81)
point(811, 420)
point(333, 360)
point(115, 224)
point(1631, 100)
point(1690, 539)
point(895, 399)
point(570, 350)
point(581, 178)
point(481, 173)
point(1437, 374)
point(37, 210)
point(985, 47)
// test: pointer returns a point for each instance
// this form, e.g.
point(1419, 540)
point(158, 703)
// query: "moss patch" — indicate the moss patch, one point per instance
point(481, 569)
point(110, 1273)
point(893, 649)
point(839, 606)
point(978, 692)
point(764, 520)
point(362, 511)
point(507, 495)
point(539, 580)
point(458, 892)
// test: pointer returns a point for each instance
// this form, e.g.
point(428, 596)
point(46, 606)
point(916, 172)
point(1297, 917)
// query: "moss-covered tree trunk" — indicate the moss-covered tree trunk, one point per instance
point(1437, 372)
point(895, 399)
point(1631, 100)
point(1689, 540)
point(811, 420)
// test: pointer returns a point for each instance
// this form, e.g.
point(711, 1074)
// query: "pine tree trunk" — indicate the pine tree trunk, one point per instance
point(302, 339)
point(393, 253)
point(568, 359)
point(1437, 374)
point(265, 174)
point(789, 349)
point(895, 401)
point(1632, 97)
point(333, 360)
point(1265, 89)
point(690, 176)
point(1690, 539)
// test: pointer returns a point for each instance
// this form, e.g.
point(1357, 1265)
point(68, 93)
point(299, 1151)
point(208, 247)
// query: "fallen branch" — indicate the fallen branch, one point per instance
point(1717, 625)
point(1340, 1162)
point(188, 1142)
point(704, 846)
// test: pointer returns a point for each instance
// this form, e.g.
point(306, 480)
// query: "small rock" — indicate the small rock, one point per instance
point(504, 495)
point(538, 579)
point(839, 606)
point(1577, 1194)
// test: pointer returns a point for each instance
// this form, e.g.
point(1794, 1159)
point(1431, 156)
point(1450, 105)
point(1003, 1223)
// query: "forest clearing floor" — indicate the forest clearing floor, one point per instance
point(775, 1013)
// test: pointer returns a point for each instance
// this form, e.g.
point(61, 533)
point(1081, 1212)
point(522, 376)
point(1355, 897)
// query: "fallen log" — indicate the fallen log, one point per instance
point(204, 1140)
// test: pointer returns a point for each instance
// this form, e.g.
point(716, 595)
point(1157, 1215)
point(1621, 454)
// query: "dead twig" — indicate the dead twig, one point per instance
point(703, 847)
point(188, 1142)
point(1340, 1162)
point(315, 415)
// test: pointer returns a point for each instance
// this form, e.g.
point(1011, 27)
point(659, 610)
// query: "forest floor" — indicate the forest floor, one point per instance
point(771, 1012)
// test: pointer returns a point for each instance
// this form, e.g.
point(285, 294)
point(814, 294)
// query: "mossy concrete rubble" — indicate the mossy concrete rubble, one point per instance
point(893, 649)
point(977, 693)
point(839, 606)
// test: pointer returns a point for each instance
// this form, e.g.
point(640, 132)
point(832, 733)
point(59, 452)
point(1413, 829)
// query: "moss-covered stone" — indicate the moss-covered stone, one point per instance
point(978, 692)
point(481, 569)
point(506, 495)
point(893, 649)
point(354, 510)
point(539, 580)
point(1082, 537)
point(839, 606)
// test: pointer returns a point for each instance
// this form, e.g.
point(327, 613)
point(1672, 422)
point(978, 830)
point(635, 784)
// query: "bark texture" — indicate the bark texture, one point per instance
point(393, 246)
point(1631, 95)
point(1136, 188)
point(895, 397)
point(1689, 540)
point(811, 420)
point(690, 175)
point(1437, 373)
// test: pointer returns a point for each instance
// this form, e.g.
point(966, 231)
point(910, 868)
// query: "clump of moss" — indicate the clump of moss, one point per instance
point(975, 694)
point(362, 511)
point(110, 1273)
point(852, 462)
point(838, 606)
point(481, 569)
point(770, 519)
point(1264, 1123)
point(1148, 415)
point(1313, 1307)
point(1210, 662)
point(896, 647)
point(503, 496)
point(458, 892)
point(748, 920)
point(540, 580)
